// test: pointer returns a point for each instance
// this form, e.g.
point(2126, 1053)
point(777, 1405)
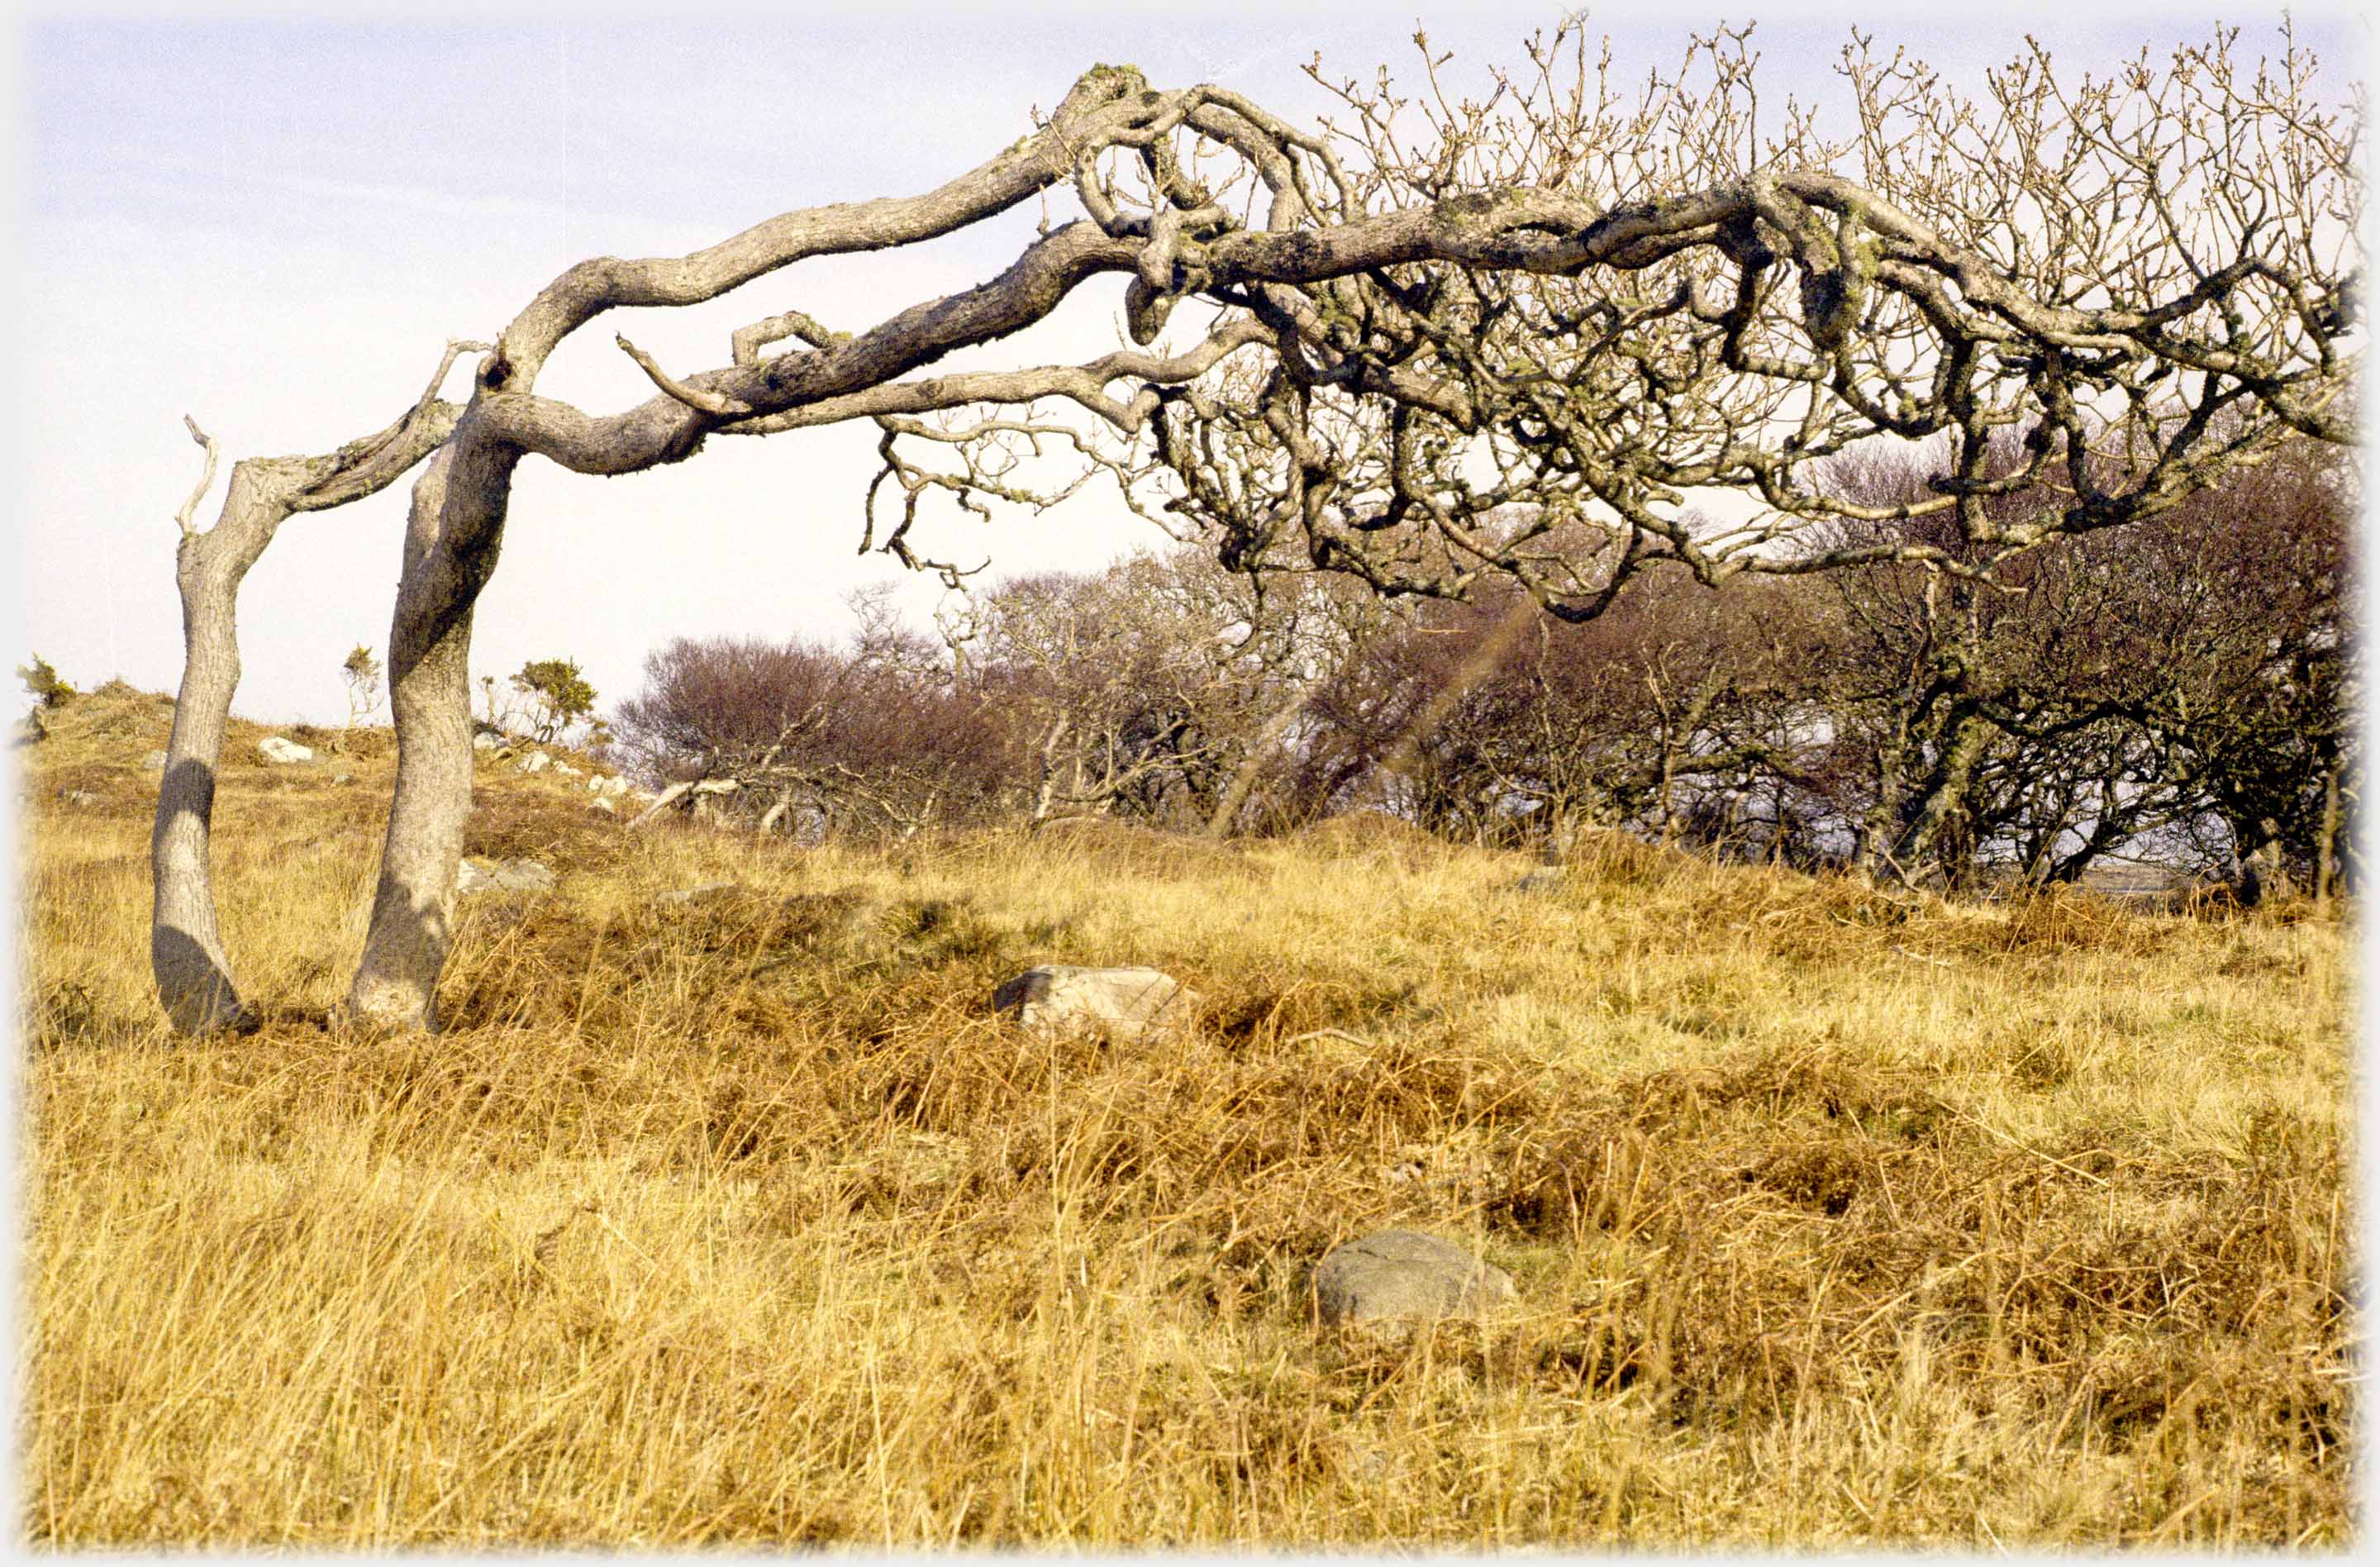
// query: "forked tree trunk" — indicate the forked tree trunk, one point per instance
point(186, 949)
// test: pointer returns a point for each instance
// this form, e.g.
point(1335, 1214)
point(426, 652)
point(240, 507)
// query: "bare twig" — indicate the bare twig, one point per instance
point(182, 518)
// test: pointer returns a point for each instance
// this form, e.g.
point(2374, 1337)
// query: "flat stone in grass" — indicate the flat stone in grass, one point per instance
point(1128, 1002)
point(1404, 1273)
point(503, 876)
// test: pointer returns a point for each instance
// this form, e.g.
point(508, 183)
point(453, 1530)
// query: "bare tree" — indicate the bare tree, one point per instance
point(1572, 301)
point(2184, 676)
point(1157, 687)
point(872, 738)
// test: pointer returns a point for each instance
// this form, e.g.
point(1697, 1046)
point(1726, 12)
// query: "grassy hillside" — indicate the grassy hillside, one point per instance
point(1835, 1218)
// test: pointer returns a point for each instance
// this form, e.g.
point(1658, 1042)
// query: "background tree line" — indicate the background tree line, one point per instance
point(2179, 690)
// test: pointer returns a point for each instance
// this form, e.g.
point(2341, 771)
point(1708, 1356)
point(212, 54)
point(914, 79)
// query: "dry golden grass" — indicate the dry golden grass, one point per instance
point(1837, 1220)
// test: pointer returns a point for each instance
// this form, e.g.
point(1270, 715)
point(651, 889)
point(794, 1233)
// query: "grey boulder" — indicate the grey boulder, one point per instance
point(1127, 1002)
point(1404, 1273)
point(284, 752)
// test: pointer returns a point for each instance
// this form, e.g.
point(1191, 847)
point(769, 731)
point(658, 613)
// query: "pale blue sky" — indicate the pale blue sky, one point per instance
point(272, 223)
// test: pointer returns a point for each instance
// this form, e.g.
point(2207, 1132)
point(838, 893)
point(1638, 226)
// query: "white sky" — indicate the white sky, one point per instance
point(272, 223)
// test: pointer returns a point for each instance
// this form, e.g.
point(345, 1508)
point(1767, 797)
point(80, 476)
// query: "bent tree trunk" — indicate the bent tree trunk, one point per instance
point(186, 950)
point(451, 543)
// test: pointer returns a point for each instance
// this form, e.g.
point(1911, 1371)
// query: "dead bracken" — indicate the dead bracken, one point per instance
point(741, 1218)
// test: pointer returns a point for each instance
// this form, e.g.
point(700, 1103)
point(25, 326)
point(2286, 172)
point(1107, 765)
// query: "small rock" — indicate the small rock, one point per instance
point(1129, 1003)
point(603, 803)
point(503, 876)
point(485, 740)
point(1549, 880)
point(1404, 1273)
point(153, 763)
point(536, 762)
point(284, 752)
point(564, 770)
point(78, 797)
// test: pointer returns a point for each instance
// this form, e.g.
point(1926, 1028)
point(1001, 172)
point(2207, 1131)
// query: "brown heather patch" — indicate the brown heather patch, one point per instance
point(1838, 1218)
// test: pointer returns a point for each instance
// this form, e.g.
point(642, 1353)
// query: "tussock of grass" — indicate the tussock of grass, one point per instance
point(1837, 1217)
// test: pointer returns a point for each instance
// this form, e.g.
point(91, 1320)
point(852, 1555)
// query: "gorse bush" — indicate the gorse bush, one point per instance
point(42, 681)
point(558, 695)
